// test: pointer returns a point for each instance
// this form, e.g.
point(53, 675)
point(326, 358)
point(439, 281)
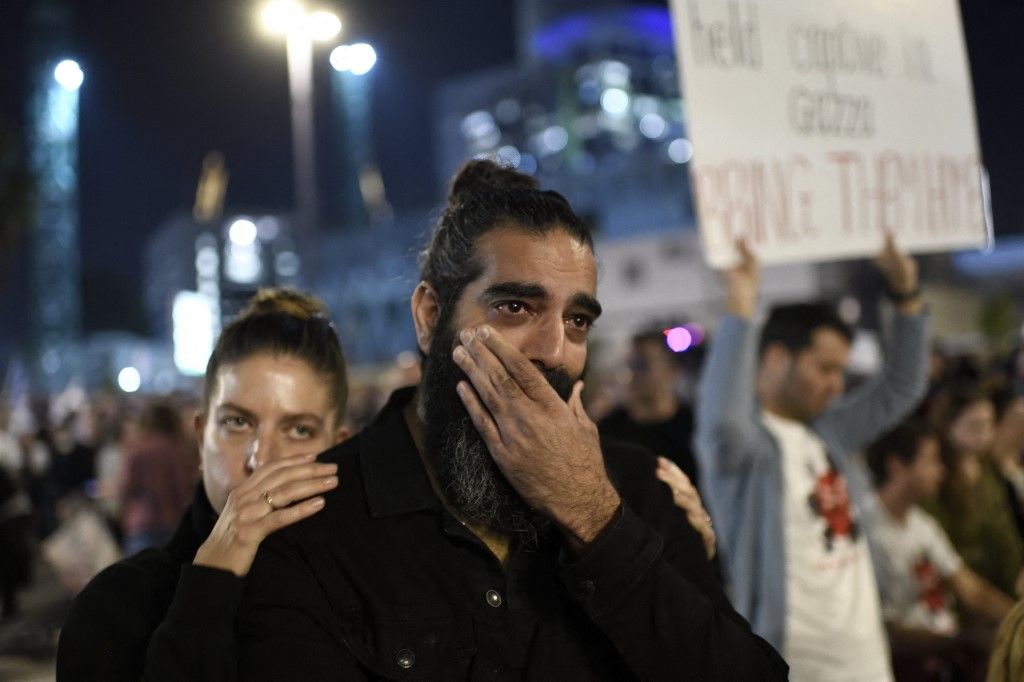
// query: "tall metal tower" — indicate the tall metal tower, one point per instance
point(53, 157)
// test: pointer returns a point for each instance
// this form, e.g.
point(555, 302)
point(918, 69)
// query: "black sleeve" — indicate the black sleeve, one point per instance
point(287, 628)
point(110, 622)
point(196, 640)
point(648, 585)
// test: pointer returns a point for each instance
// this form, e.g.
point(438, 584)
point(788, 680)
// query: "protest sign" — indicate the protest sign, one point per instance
point(820, 125)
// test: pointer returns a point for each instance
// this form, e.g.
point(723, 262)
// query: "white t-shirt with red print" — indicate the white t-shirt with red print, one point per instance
point(834, 628)
point(913, 560)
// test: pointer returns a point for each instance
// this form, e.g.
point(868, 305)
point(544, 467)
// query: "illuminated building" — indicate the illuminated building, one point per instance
point(199, 276)
point(592, 109)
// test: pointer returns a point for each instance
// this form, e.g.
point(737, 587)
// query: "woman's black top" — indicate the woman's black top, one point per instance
point(131, 620)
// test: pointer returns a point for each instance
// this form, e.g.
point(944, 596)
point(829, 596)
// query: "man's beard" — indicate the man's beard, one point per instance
point(472, 483)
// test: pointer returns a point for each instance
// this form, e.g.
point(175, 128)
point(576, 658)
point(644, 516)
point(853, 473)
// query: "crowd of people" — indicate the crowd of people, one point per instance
point(484, 521)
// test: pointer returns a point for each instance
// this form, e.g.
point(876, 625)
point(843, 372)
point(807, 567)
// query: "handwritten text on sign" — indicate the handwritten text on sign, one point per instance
point(819, 125)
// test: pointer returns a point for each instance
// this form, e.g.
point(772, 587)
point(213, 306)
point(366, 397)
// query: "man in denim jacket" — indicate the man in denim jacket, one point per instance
point(776, 448)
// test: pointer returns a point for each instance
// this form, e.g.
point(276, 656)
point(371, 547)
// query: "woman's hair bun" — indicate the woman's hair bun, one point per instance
point(480, 176)
point(288, 301)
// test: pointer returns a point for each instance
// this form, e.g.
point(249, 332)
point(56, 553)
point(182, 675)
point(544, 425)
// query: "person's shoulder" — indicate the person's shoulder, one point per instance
point(619, 452)
point(614, 419)
point(132, 583)
point(347, 501)
point(631, 468)
point(344, 454)
point(111, 620)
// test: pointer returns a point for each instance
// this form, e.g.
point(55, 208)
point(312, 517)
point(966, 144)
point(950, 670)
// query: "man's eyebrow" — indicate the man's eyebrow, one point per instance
point(514, 290)
point(588, 303)
point(532, 290)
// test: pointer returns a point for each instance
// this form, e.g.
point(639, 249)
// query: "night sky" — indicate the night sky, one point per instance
point(168, 81)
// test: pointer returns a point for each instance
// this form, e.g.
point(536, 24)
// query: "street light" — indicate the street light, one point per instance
point(356, 59)
point(362, 185)
point(69, 75)
point(301, 28)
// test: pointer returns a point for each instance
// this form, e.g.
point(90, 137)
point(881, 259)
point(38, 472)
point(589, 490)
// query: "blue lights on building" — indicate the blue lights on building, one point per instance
point(561, 39)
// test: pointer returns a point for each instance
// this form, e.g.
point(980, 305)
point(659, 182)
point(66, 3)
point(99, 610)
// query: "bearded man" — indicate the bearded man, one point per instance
point(481, 530)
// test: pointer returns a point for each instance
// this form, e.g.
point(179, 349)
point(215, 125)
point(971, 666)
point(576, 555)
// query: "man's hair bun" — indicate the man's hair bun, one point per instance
point(481, 176)
point(287, 301)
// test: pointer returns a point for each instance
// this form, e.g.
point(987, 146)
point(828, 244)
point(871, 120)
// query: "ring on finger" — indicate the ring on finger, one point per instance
point(269, 500)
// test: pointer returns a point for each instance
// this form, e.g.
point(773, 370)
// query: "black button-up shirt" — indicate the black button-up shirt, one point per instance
point(384, 583)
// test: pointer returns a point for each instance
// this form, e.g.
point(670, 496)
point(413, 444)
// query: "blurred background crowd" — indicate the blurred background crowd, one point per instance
point(89, 476)
point(161, 164)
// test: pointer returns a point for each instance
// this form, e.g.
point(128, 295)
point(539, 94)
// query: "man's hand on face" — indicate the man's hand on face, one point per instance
point(547, 448)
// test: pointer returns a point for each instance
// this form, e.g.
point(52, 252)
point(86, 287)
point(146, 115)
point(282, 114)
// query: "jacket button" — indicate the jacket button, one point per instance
point(587, 588)
point(405, 658)
point(493, 598)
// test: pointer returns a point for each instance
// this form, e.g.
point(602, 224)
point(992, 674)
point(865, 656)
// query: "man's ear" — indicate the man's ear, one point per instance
point(425, 310)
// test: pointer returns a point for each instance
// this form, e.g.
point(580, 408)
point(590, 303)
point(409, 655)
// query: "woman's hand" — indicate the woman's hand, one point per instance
point(262, 504)
point(686, 497)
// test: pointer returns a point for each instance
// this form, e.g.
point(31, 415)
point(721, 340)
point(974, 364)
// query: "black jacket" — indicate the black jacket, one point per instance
point(385, 584)
point(150, 602)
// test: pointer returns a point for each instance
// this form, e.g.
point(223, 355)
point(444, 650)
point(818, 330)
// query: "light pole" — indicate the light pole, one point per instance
point(301, 28)
point(362, 189)
point(56, 293)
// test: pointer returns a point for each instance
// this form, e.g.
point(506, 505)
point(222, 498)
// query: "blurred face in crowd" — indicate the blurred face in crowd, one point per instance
point(538, 291)
point(261, 409)
point(652, 371)
point(926, 471)
point(1010, 431)
point(801, 386)
point(973, 429)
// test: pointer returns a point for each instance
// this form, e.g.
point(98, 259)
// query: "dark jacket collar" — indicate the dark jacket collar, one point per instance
point(393, 474)
point(195, 527)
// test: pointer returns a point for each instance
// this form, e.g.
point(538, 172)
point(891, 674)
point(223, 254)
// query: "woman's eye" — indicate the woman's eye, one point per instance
point(234, 422)
point(303, 431)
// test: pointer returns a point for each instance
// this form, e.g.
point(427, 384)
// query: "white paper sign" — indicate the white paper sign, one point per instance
point(819, 125)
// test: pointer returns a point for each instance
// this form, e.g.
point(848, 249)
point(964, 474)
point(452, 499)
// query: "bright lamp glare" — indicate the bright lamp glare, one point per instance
point(356, 59)
point(615, 101)
point(678, 339)
point(69, 75)
point(282, 16)
point(680, 150)
point(652, 126)
point(322, 26)
point(242, 232)
point(129, 379)
point(195, 331)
